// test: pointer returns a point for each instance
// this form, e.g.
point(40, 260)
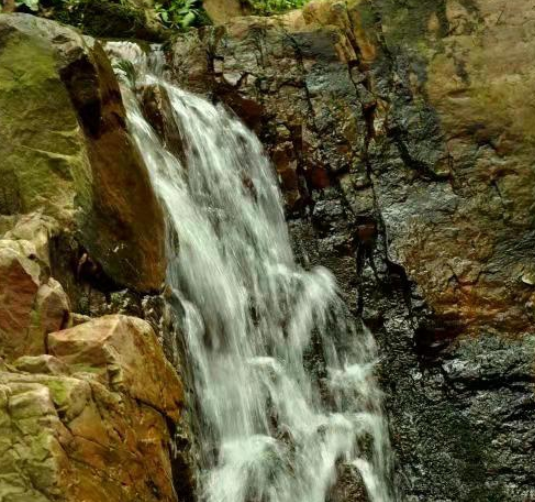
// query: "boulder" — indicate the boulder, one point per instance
point(67, 153)
point(31, 306)
point(66, 438)
point(92, 419)
point(42, 364)
point(221, 11)
point(402, 136)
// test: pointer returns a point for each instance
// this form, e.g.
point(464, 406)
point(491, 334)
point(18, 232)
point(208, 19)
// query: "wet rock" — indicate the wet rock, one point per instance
point(416, 114)
point(157, 109)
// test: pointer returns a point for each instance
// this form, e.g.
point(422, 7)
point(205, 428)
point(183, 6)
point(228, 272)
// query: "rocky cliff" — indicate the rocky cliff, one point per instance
point(90, 407)
point(402, 133)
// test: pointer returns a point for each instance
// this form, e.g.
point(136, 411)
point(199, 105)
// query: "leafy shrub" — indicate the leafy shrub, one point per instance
point(270, 7)
point(181, 14)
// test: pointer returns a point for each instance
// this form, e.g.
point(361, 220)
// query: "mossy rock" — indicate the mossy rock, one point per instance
point(66, 151)
point(42, 150)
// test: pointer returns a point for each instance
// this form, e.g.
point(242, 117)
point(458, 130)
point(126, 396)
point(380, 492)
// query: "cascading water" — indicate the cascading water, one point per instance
point(283, 375)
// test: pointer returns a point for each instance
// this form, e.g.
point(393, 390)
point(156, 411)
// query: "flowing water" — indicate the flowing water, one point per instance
point(282, 374)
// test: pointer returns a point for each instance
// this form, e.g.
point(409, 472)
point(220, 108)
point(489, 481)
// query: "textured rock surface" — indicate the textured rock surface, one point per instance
point(84, 425)
point(67, 153)
point(93, 412)
point(116, 347)
point(403, 136)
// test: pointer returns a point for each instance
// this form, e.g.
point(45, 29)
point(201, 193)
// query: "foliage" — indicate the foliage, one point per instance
point(270, 7)
point(127, 71)
point(173, 14)
point(181, 14)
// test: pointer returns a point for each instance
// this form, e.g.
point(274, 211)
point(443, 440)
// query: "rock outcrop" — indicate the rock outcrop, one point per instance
point(66, 152)
point(402, 134)
point(90, 407)
point(221, 11)
point(87, 422)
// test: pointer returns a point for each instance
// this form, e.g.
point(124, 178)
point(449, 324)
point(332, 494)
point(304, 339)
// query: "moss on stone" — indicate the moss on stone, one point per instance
point(39, 142)
point(60, 390)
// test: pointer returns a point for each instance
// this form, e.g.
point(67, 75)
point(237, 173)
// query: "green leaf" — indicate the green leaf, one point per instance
point(188, 19)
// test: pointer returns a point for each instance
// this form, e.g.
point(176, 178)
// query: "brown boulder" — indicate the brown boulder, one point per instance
point(67, 438)
point(19, 283)
point(221, 11)
point(30, 305)
point(124, 353)
point(67, 152)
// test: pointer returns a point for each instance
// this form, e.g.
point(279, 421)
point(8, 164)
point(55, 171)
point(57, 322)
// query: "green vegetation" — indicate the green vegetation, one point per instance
point(127, 72)
point(181, 14)
point(30, 4)
point(270, 7)
point(119, 18)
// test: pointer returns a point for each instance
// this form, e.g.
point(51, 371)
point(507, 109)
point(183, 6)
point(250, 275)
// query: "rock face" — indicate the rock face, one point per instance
point(90, 408)
point(403, 137)
point(66, 151)
point(220, 11)
point(83, 425)
point(32, 304)
point(116, 347)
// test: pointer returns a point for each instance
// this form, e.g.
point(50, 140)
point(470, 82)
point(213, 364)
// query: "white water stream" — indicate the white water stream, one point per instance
point(273, 428)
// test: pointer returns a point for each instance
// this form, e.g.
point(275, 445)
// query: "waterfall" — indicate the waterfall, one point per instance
point(282, 372)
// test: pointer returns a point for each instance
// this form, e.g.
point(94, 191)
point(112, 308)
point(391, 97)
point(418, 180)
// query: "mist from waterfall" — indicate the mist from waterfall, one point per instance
point(282, 372)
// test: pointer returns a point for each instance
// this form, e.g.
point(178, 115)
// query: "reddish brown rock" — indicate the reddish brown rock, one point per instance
point(125, 354)
point(19, 283)
point(29, 309)
point(92, 421)
point(73, 439)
